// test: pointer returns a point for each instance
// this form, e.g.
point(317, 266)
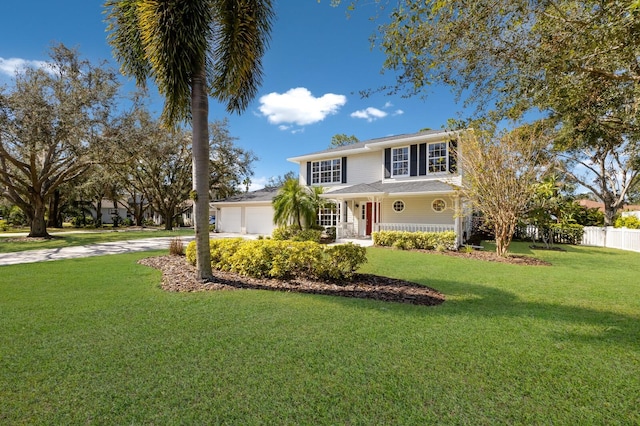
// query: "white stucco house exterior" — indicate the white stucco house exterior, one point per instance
point(405, 182)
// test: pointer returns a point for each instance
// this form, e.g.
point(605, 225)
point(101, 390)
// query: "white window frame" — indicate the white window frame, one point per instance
point(402, 163)
point(328, 216)
point(435, 201)
point(439, 163)
point(393, 206)
point(326, 171)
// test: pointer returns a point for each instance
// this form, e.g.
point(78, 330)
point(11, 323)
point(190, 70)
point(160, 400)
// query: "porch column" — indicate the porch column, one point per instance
point(458, 220)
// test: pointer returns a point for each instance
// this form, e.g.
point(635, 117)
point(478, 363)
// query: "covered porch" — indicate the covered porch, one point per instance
point(423, 206)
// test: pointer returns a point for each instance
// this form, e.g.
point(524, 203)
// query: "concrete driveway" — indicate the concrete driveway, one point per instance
point(115, 247)
point(101, 249)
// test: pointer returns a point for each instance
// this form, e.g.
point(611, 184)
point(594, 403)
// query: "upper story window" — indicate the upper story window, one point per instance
point(437, 157)
point(400, 161)
point(326, 171)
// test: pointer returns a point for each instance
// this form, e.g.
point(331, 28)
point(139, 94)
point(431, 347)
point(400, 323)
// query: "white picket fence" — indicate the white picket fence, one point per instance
point(619, 238)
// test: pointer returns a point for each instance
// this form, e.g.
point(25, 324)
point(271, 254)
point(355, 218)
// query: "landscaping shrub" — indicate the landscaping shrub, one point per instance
point(284, 232)
point(221, 251)
point(567, 233)
point(342, 261)
point(299, 258)
point(294, 233)
point(630, 222)
point(4, 226)
point(176, 247)
point(404, 240)
point(283, 259)
point(308, 235)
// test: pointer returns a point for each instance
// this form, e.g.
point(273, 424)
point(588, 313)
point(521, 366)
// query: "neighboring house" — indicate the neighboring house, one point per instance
point(246, 213)
point(626, 210)
point(108, 212)
point(404, 182)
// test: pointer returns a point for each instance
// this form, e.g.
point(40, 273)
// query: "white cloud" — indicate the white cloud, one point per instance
point(257, 183)
point(370, 114)
point(11, 65)
point(398, 112)
point(299, 106)
point(388, 104)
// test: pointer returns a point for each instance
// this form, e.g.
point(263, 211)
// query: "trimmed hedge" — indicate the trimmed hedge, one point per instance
point(630, 222)
point(283, 259)
point(567, 233)
point(294, 233)
point(405, 240)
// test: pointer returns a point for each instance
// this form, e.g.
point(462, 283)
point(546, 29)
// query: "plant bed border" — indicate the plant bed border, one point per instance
point(179, 276)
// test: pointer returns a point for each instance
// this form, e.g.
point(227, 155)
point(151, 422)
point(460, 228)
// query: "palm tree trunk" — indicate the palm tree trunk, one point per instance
point(200, 146)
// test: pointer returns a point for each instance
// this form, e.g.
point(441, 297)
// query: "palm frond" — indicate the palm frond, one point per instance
point(241, 36)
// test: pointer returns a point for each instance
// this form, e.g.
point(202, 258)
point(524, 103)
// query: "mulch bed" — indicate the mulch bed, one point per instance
point(177, 275)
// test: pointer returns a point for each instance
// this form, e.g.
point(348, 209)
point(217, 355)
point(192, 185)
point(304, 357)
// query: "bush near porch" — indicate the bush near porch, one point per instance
point(283, 259)
point(405, 240)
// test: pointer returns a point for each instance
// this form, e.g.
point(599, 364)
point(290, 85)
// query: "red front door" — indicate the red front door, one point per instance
point(369, 218)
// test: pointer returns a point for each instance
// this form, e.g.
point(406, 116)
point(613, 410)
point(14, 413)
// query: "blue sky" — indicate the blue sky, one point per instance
point(318, 61)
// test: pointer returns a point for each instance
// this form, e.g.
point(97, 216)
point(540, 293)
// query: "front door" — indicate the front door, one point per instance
point(369, 219)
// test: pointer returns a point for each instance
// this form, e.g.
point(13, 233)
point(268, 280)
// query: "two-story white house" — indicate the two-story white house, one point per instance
point(404, 182)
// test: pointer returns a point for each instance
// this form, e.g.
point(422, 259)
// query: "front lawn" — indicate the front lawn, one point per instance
point(96, 341)
point(12, 244)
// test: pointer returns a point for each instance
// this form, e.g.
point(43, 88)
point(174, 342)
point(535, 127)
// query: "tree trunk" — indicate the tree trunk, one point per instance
point(167, 215)
point(54, 214)
point(98, 221)
point(200, 146)
point(38, 227)
point(503, 233)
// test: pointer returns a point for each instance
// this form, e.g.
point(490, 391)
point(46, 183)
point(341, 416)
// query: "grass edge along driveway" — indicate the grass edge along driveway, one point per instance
point(96, 341)
point(10, 245)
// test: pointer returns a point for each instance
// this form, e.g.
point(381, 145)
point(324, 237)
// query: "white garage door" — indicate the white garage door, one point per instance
point(230, 219)
point(259, 220)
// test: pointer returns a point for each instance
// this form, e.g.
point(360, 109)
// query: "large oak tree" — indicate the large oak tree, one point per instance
point(51, 123)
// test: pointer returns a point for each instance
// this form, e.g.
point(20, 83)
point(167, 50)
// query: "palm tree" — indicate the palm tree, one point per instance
point(295, 204)
point(192, 49)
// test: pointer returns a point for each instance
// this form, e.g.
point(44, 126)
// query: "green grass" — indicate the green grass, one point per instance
point(96, 341)
point(79, 239)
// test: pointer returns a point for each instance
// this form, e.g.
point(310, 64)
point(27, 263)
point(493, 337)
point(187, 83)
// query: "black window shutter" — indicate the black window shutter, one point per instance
point(453, 156)
point(387, 163)
point(413, 160)
point(308, 173)
point(422, 160)
point(344, 169)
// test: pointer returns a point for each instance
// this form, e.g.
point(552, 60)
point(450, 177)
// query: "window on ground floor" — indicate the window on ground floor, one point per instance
point(328, 216)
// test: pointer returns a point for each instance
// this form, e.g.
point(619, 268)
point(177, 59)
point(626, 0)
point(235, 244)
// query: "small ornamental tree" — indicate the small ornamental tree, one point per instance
point(500, 175)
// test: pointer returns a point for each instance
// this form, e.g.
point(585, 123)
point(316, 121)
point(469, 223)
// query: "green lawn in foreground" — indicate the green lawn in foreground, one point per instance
point(96, 341)
point(79, 239)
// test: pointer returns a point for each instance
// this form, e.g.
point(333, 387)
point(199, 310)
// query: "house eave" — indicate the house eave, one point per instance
point(234, 203)
point(374, 145)
point(325, 155)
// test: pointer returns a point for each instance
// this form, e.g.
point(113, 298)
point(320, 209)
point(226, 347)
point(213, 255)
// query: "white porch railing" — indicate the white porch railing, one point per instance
point(413, 227)
point(620, 238)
